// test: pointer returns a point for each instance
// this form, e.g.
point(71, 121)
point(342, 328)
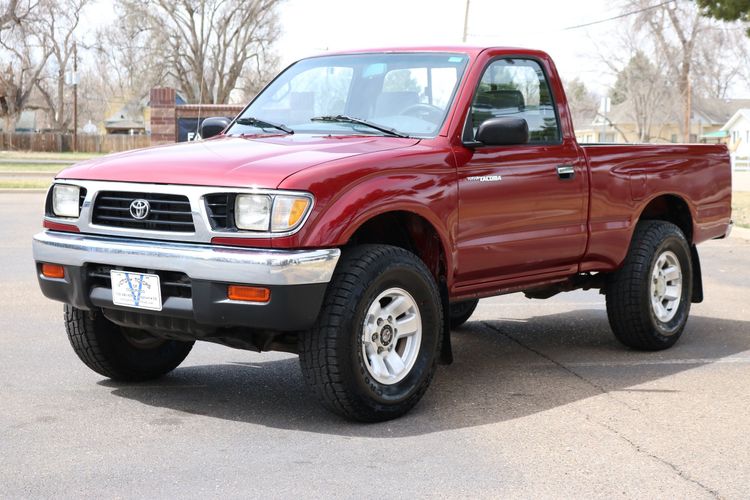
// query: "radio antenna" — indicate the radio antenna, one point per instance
point(200, 106)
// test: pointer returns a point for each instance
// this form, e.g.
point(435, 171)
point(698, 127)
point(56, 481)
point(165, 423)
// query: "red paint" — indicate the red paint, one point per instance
point(531, 228)
point(262, 161)
point(56, 226)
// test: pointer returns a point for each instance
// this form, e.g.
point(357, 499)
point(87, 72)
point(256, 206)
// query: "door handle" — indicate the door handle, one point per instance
point(566, 171)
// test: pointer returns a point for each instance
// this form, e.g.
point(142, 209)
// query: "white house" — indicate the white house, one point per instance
point(738, 131)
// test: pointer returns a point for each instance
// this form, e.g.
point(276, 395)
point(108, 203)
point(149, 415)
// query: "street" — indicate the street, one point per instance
point(541, 401)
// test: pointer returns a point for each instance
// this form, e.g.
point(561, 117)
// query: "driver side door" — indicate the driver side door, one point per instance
point(522, 208)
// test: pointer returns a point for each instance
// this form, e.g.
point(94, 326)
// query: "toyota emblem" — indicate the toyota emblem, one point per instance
point(139, 209)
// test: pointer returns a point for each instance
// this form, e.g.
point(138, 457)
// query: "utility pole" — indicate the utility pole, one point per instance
point(605, 109)
point(466, 22)
point(688, 110)
point(75, 97)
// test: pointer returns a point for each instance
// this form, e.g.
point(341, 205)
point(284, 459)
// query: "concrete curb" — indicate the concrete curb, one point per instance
point(24, 161)
point(21, 173)
point(23, 190)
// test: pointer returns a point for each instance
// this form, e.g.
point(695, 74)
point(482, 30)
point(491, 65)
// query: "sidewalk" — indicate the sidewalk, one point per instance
point(740, 181)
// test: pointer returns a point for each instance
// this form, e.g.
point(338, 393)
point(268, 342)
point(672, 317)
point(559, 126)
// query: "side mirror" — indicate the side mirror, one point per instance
point(503, 131)
point(214, 126)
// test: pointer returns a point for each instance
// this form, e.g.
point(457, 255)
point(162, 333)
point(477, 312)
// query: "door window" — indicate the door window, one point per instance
point(518, 88)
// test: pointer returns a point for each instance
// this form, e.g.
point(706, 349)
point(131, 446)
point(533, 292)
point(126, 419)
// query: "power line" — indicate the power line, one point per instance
point(626, 14)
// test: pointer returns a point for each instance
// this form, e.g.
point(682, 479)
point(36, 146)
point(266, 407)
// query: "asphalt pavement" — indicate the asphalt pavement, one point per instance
point(541, 401)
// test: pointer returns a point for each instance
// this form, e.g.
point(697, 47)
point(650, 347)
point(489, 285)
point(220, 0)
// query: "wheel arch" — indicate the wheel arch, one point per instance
point(407, 229)
point(672, 208)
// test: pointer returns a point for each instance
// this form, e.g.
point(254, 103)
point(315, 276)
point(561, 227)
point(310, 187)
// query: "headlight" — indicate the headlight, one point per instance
point(252, 212)
point(274, 213)
point(65, 200)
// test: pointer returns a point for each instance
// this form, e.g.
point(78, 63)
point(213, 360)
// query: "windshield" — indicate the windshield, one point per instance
point(401, 93)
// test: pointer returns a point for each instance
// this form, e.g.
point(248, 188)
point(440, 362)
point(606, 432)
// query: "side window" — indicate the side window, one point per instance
point(516, 87)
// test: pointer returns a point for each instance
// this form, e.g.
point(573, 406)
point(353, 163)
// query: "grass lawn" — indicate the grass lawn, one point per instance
point(25, 184)
point(741, 208)
point(29, 155)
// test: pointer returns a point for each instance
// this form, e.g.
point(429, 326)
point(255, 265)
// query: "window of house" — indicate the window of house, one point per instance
point(518, 88)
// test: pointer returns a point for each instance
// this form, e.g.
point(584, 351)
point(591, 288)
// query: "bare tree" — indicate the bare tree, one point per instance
point(23, 56)
point(641, 94)
point(721, 54)
point(674, 28)
point(14, 12)
point(58, 20)
point(644, 94)
point(255, 78)
point(127, 57)
point(208, 45)
point(582, 102)
point(663, 55)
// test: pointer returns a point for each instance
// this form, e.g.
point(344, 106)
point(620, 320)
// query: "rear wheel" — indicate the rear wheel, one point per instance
point(648, 298)
point(121, 353)
point(372, 353)
point(460, 312)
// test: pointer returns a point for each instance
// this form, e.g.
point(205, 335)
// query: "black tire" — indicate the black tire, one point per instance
point(331, 353)
point(129, 357)
point(629, 290)
point(460, 312)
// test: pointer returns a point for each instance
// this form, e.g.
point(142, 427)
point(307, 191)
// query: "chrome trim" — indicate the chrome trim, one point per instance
point(202, 262)
point(196, 195)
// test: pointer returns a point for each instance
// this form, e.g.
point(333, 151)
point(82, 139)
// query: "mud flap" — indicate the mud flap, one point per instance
point(697, 276)
point(446, 351)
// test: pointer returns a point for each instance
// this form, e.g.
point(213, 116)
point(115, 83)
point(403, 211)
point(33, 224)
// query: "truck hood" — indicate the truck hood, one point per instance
point(262, 161)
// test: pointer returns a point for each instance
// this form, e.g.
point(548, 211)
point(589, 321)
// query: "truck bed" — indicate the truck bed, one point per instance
point(627, 179)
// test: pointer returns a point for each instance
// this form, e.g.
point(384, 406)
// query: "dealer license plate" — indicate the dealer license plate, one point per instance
point(136, 290)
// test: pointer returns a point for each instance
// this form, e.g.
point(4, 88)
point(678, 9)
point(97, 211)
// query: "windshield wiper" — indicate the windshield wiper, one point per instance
point(257, 122)
point(359, 121)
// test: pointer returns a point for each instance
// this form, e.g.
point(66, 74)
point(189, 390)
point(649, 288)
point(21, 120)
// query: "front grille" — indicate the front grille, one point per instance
point(172, 284)
point(168, 212)
point(220, 210)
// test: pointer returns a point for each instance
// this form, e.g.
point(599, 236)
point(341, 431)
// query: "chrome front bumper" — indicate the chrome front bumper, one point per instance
point(198, 261)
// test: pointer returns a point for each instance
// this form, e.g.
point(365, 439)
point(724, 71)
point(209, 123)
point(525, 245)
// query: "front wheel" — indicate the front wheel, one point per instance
point(372, 353)
point(648, 298)
point(119, 353)
point(460, 312)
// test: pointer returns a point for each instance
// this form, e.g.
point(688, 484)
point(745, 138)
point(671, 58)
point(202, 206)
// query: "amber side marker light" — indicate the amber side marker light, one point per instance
point(248, 293)
point(53, 271)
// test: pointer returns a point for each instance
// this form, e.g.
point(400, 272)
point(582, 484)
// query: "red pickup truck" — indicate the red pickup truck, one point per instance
point(358, 208)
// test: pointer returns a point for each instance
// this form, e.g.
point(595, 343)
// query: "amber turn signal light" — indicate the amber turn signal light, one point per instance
point(248, 293)
point(53, 271)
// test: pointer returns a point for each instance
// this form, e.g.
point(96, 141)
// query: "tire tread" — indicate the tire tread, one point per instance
point(624, 290)
point(319, 360)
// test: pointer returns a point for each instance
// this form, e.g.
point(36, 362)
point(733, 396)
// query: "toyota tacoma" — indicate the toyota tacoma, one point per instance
point(357, 209)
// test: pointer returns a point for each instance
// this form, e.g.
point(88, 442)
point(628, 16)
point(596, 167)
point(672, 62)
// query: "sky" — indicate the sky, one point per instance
point(312, 27)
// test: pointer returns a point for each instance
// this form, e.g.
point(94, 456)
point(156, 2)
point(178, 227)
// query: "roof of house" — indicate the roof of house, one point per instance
point(130, 115)
point(744, 112)
point(124, 124)
point(713, 111)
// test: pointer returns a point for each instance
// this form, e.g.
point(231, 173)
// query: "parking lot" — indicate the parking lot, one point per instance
point(540, 402)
